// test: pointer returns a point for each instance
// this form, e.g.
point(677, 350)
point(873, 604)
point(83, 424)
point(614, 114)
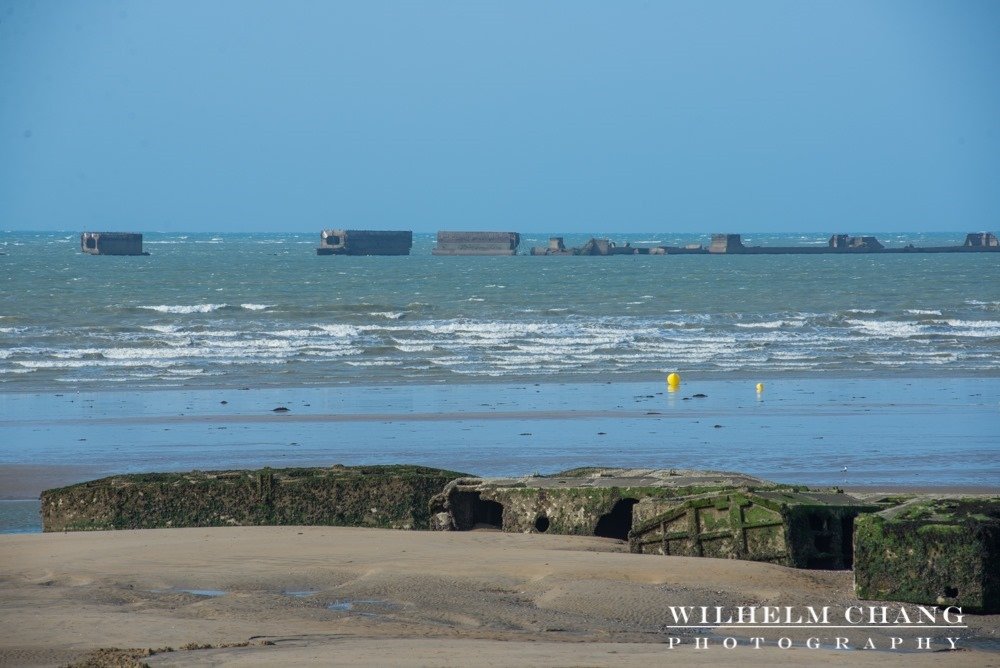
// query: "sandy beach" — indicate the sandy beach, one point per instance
point(347, 596)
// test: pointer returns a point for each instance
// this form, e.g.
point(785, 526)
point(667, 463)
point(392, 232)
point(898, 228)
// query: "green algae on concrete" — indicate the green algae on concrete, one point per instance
point(933, 552)
point(585, 501)
point(783, 526)
point(368, 496)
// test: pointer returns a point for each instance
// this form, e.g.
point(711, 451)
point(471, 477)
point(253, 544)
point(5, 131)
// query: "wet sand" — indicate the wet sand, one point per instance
point(887, 433)
point(320, 595)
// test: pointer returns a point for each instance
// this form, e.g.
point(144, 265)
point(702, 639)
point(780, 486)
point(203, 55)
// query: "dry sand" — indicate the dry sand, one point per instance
point(404, 598)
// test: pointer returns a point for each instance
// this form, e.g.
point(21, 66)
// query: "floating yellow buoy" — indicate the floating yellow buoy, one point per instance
point(760, 387)
point(674, 380)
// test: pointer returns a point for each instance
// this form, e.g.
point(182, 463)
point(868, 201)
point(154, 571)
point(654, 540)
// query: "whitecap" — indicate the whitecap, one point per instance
point(888, 328)
point(196, 308)
point(256, 307)
point(773, 324)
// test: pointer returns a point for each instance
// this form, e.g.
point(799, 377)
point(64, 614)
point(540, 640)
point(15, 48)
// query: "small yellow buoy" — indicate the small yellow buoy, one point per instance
point(674, 380)
point(760, 387)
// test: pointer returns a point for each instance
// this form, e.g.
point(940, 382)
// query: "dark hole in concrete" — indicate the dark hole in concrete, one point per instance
point(618, 522)
point(823, 543)
point(847, 542)
point(489, 512)
point(817, 523)
point(542, 524)
point(91, 243)
point(333, 240)
point(469, 511)
point(821, 563)
point(950, 592)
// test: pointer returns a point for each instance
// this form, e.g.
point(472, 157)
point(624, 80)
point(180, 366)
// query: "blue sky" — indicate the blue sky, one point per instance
point(845, 116)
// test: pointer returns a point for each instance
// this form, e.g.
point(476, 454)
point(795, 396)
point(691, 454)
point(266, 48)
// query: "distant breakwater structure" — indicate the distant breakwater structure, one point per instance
point(400, 242)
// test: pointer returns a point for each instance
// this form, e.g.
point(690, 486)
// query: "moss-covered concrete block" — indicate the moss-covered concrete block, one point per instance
point(583, 501)
point(933, 552)
point(783, 526)
point(369, 496)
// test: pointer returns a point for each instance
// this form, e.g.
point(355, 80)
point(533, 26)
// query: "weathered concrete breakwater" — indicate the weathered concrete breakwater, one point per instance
point(732, 244)
point(936, 551)
point(365, 242)
point(111, 243)
point(394, 497)
point(400, 242)
point(358, 242)
point(477, 243)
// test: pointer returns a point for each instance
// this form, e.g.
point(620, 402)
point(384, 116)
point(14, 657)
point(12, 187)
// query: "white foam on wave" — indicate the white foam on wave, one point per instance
point(975, 328)
point(194, 308)
point(256, 307)
point(81, 364)
point(162, 329)
point(773, 324)
point(344, 331)
point(888, 329)
point(388, 315)
point(414, 347)
point(920, 311)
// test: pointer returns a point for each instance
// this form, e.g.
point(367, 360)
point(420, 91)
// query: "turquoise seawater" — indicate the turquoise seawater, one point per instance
point(231, 310)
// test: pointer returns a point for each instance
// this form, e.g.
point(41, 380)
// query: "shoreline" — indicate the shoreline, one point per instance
point(692, 376)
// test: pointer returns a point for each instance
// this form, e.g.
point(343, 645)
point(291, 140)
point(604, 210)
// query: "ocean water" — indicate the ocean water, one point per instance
point(880, 371)
point(259, 310)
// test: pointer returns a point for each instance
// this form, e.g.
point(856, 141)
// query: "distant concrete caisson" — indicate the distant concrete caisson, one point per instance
point(111, 243)
point(365, 242)
point(477, 243)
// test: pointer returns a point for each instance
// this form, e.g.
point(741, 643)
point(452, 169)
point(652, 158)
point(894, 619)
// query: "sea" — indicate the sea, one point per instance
point(256, 310)
point(878, 371)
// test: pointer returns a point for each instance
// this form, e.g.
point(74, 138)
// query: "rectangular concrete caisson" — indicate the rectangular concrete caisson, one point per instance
point(932, 552)
point(394, 497)
point(365, 242)
point(781, 526)
point(111, 243)
point(477, 243)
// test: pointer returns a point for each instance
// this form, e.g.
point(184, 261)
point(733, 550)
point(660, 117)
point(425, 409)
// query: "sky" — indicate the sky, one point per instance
point(847, 116)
